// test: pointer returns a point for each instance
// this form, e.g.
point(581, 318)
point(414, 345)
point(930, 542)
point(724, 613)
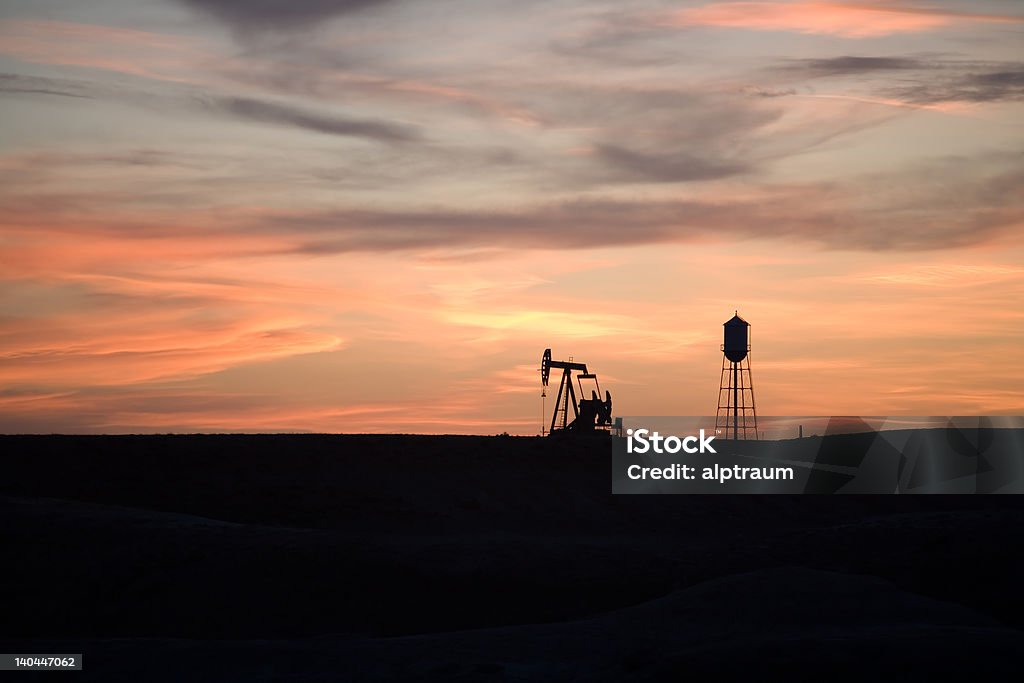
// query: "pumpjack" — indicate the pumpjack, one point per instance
point(590, 414)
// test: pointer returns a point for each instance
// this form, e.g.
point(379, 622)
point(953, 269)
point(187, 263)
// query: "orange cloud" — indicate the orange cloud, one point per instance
point(850, 20)
point(137, 345)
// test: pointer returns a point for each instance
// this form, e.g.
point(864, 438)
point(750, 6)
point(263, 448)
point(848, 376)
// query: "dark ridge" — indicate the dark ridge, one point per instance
point(365, 537)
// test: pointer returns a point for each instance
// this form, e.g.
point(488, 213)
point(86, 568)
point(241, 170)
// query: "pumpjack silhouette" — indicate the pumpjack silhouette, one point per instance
point(589, 414)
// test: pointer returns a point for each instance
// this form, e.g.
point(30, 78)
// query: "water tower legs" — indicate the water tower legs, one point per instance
point(737, 411)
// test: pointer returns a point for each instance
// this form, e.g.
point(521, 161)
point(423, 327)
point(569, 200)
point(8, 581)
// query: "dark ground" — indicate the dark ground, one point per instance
point(323, 558)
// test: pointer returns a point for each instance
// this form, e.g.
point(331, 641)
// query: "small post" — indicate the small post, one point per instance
point(801, 431)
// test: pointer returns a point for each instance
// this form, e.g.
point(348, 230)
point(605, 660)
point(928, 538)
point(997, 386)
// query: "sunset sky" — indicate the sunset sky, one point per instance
point(375, 215)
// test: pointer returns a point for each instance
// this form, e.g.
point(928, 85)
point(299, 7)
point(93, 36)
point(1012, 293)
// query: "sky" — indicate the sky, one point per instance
point(375, 215)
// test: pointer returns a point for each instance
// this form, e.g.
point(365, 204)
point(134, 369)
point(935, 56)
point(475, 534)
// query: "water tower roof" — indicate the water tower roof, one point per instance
point(736, 320)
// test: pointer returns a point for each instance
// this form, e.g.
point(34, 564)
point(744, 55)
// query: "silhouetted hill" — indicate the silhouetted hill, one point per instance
point(313, 557)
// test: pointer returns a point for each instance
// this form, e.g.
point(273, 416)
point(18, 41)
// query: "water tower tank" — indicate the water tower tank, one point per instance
point(737, 339)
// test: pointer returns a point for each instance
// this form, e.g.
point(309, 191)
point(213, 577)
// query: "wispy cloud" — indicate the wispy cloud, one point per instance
point(307, 72)
point(279, 14)
point(276, 113)
point(853, 65)
point(849, 19)
point(912, 80)
point(129, 51)
point(32, 85)
point(973, 86)
point(986, 208)
point(123, 337)
point(670, 168)
point(950, 275)
point(195, 99)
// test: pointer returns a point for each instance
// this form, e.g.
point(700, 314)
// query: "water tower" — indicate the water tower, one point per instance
point(737, 415)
